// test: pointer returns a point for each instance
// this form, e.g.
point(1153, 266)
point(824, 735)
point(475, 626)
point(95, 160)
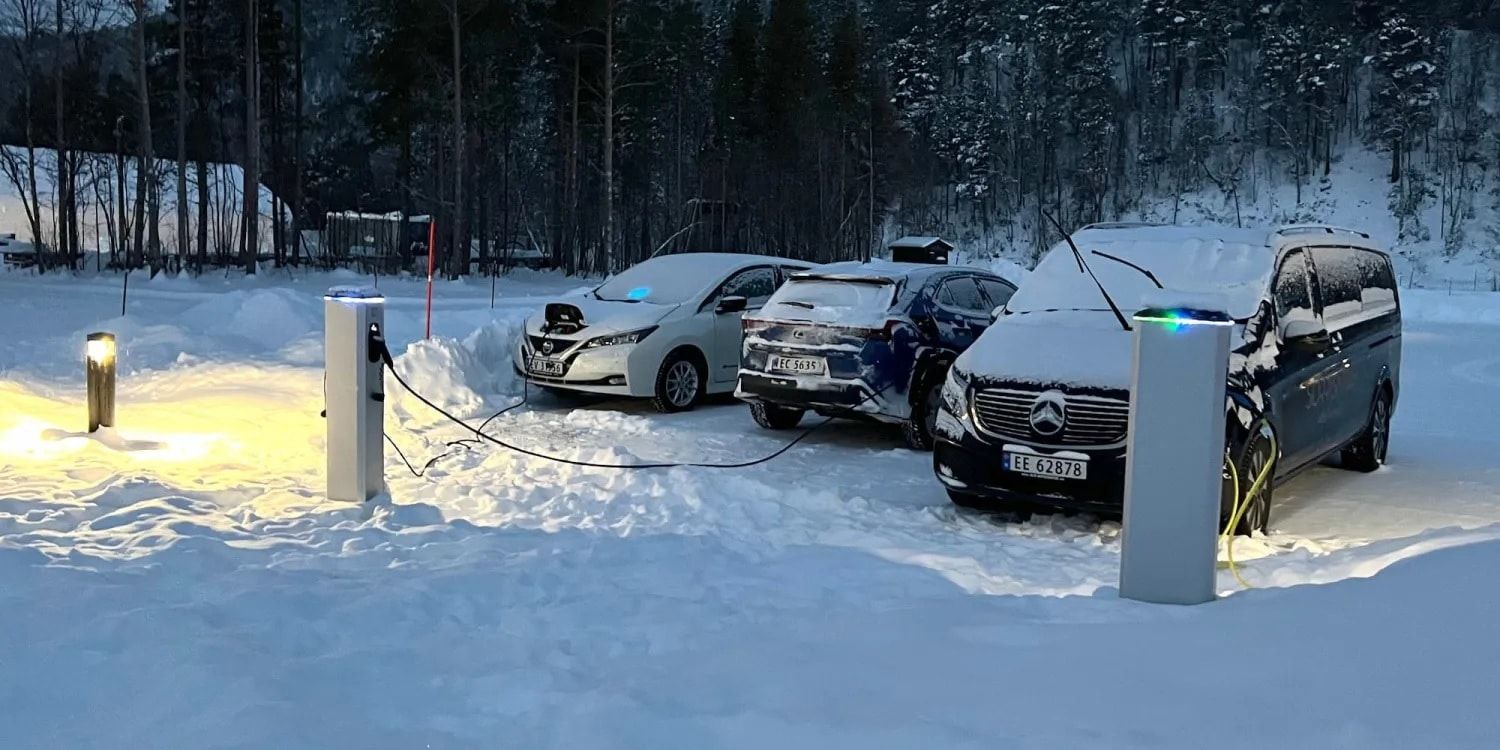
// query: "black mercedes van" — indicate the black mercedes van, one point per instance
point(1314, 367)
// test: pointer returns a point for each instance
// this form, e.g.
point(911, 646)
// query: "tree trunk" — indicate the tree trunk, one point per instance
point(202, 214)
point(297, 218)
point(609, 137)
point(144, 170)
point(65, 247)
point(570, 227)
point(182, 117)
point(460, 246)
point(250, 232)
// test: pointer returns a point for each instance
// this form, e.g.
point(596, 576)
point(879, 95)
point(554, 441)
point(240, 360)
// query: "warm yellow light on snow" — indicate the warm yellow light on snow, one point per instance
point(210, 428)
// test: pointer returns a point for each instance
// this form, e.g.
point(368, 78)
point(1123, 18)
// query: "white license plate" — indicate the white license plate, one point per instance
point(799, 365)
point(542, 366)
point(1046, 467)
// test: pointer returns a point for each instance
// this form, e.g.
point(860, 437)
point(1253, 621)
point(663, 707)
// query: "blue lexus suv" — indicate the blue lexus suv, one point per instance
point(866, 341)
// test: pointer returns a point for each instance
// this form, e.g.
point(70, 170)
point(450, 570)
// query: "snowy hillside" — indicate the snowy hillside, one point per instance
point(1354, 195)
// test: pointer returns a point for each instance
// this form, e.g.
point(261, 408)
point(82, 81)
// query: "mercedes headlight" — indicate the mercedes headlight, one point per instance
point(954, 390)
point(955, 394)
point(617, 339)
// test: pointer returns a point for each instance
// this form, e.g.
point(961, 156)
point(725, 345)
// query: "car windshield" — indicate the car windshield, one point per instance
point(667, 280)
point(1129, 269)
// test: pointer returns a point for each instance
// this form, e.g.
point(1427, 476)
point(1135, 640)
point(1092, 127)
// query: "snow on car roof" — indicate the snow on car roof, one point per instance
point(1235, 263)
point(875, 269)
point(714, 263)
point(673, 279)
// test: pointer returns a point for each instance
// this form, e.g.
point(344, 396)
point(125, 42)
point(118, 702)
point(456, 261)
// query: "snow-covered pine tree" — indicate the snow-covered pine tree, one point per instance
point(1407, 73)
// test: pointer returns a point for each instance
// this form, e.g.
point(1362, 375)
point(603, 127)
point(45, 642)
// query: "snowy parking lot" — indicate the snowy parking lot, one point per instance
point(183, 583)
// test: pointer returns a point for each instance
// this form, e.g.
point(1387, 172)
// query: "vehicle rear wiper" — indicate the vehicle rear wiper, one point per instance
point(1083, 264)
point(1118, 259)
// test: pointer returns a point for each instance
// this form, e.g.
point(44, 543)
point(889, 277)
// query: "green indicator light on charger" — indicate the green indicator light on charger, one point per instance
point(1176, 320)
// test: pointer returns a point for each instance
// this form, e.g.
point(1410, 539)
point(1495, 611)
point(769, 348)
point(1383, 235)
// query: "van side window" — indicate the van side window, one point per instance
point(1377, 283)
point(962, 294)
point(1341, 281)
point(1293, 295)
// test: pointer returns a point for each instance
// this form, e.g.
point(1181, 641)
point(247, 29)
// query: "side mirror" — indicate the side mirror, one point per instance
point(729, 305)
point(1305, 333)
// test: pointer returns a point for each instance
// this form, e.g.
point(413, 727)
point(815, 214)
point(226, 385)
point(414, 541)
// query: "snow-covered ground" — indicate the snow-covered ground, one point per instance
point(182, 583)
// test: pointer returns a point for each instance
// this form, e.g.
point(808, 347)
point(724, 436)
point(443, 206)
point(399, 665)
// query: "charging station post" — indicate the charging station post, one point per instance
point(354, 320)
point(1175, 455)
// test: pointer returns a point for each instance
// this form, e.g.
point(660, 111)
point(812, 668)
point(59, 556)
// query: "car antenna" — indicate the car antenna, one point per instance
point(1078, 255)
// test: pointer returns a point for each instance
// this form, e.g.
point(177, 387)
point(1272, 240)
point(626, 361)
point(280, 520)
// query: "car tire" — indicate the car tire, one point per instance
point(773, 417)
point(1252, 458)
point(679, 383)
point(1367, 452)
point(918, 429)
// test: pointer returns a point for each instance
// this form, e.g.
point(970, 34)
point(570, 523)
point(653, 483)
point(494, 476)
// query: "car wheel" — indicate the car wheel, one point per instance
point(918, 430)
point(1253, 459)
point(679, 383)
point(1367, 452)
point(773, 417)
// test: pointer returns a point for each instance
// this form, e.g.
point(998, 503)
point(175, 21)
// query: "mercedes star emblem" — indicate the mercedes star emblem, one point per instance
point(1048, 413)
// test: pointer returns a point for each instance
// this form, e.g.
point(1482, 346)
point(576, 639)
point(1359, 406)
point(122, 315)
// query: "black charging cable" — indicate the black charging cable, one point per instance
point(390, 364)
point(379, 350)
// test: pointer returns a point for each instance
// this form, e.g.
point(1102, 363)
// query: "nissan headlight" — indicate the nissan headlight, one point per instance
point(619, 339)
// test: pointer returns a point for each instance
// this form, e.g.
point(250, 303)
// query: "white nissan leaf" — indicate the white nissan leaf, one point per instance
point(667, 329)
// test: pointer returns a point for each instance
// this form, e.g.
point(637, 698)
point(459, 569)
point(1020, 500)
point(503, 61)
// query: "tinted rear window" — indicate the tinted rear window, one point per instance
point(1353, 283)
point(823, 300)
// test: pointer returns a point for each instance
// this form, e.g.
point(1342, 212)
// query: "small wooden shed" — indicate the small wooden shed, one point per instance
point(934, 250)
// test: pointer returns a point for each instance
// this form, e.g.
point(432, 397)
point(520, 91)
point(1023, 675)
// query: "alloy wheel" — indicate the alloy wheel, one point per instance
point(682, 383)
point(1257, 508)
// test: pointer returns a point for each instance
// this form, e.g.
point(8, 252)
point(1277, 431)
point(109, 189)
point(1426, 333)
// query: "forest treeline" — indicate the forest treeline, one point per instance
point(601, 131)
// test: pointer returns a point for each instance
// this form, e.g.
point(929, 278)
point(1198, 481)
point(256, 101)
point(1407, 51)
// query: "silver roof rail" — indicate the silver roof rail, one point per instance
point(1291, 229)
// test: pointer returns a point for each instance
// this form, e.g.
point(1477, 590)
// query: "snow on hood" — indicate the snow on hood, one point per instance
point(1067, 348)
point(605, 317)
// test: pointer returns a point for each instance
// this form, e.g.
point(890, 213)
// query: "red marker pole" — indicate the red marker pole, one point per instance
point(431, 265)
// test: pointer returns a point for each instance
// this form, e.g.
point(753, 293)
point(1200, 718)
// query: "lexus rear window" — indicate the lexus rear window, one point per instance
point(825, 300)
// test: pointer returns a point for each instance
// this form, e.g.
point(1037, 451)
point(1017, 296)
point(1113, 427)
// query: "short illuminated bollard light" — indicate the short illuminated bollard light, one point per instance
point(1175, 455)
point(354, 392)
point(99, 359)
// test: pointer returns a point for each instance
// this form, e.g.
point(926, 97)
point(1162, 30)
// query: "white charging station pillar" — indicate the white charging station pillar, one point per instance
point(354, 392)
point(1174, 460)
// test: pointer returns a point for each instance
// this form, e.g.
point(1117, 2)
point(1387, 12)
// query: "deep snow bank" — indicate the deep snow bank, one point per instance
point(458, 376)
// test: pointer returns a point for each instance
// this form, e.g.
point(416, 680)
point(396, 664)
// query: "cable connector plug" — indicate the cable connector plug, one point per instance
point(379, 352)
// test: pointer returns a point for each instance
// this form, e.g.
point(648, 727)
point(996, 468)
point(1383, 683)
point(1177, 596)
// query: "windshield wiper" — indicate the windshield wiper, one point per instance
point(1118, 259)
point(803, 305)
point(1083, 264)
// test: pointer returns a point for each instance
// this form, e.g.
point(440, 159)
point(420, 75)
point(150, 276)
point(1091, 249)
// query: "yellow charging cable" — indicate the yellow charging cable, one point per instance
point(1241, 503)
